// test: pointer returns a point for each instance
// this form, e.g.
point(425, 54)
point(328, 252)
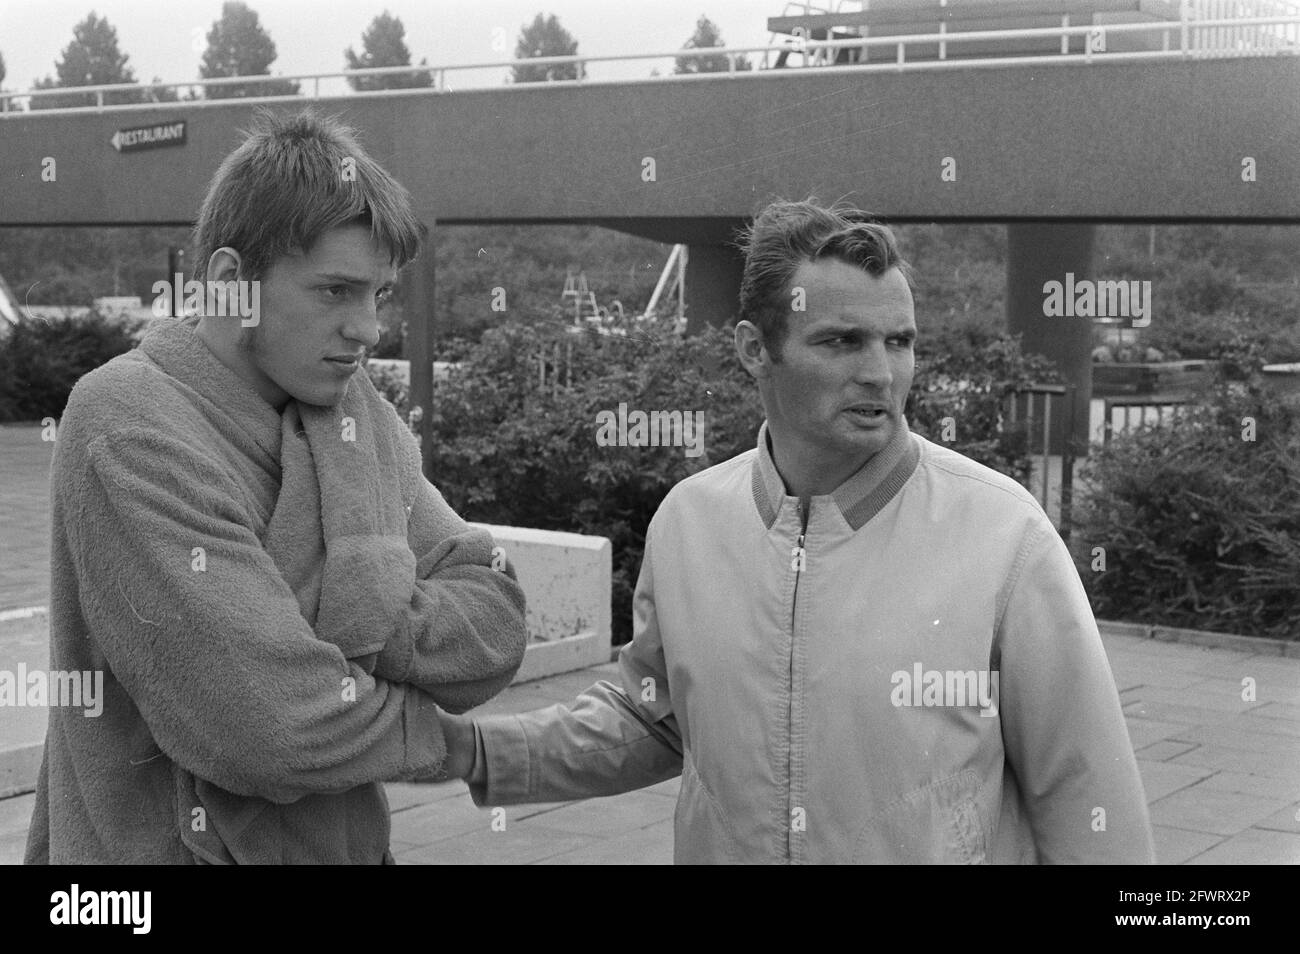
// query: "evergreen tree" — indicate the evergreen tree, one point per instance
point(91, 59)
point(384, 44)
point(545, 37)
point(706, 35)
point(238, 46)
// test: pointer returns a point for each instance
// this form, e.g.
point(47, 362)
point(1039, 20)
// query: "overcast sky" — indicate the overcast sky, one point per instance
point(160, 36)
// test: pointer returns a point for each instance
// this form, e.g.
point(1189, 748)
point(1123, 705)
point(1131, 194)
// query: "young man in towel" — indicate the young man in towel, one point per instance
point(246, 548)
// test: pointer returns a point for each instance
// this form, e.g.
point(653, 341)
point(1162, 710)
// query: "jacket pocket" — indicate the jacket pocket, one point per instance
point(702, 835)
point(938, 823)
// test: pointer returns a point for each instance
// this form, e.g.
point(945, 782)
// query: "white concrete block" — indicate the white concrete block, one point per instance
point(567, 579)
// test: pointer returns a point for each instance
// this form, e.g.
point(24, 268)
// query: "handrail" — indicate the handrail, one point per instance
point(1188, 29)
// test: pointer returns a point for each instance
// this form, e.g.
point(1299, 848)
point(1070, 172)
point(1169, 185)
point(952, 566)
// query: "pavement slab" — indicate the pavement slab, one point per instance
point(1176, 846)
point(1253, 847)
point(1211, 811)
point(1163, 778)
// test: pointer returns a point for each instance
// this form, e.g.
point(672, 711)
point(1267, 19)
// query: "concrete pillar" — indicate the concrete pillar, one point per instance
point(712, 285)
point(421, 328)
point(1036, 254)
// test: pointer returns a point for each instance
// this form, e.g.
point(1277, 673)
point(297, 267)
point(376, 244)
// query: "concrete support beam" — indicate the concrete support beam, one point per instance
point(1038, 253)
point(712, 286)
point(421, 331)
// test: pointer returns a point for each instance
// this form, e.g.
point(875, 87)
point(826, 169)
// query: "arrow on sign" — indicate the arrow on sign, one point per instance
point(117, 141)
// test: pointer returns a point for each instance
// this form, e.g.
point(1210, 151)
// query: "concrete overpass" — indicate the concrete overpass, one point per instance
point(1048, 143)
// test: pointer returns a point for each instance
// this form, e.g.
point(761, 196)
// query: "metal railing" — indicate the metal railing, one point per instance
point(1189, 37)
point(1049, 393)
point(1166, 406)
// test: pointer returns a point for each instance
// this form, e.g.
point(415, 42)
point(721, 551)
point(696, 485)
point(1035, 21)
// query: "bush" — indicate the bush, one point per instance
point(1243, 341)
point(515, 428)
point(1200, 528)
point(967, 372)
point(40, 361)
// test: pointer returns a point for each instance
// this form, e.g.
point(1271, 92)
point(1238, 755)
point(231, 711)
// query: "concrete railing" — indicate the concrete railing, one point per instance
point(1181, 39)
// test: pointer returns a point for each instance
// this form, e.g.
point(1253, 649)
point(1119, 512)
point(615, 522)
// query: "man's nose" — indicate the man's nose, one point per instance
point(873, 366)
point(362, 325)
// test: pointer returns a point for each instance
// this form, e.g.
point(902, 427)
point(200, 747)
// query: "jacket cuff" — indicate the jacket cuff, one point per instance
point(426, 749)
point(509, 767)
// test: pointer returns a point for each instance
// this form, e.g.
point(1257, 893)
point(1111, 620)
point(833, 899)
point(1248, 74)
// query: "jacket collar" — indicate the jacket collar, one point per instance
point(860, 497)
point(173, 345)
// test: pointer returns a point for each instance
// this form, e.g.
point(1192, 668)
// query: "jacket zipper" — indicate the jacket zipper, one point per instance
point(799, 562)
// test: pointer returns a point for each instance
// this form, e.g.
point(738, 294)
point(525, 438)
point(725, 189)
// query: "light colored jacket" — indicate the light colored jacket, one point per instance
point(796, 693)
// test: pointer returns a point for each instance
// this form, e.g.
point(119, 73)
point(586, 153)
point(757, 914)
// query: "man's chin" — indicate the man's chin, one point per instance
point(871, 439)
point(328, 395)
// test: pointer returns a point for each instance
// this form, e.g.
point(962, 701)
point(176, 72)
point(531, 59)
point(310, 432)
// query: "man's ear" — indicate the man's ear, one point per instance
point(751, 351)
point(223, 265)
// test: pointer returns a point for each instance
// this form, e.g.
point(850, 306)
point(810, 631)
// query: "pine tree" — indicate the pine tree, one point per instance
point(238, 46)
point(545, 37)
point(384, 44)
point(707, 35)
point(91, 59)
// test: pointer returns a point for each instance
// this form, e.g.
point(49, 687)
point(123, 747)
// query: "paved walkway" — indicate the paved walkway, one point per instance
point(24, 516)
point(1222, 775)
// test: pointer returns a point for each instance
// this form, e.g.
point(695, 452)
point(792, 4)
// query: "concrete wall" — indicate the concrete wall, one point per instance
point(1104, 142)
point(566, 578)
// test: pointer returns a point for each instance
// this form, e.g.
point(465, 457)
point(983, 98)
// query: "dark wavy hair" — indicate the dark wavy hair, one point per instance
point(294, 178)
point(784, 236)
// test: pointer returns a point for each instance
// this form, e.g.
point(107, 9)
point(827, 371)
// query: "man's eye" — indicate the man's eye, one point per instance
point(384, 296)
point(337, 291)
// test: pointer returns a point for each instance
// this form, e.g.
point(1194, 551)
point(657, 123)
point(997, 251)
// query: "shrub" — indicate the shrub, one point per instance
point(1200, 528)
point(515, 428)
point(967, 371)
point(41, 359)
point(1243, 341)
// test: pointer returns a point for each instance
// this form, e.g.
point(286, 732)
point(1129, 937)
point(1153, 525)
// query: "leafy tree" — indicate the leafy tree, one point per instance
point(91, 59)
point(238, 46)
point(384, 44)
point(545, 37)
point(706, 35)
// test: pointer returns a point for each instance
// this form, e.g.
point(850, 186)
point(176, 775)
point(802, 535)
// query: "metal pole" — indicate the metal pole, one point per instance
point(1047, 438)
point(1067, 469)
point(175, 266)
point(419, 345)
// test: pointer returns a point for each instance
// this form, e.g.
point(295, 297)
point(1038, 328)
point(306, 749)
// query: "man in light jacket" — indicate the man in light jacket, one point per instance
point(854, 645)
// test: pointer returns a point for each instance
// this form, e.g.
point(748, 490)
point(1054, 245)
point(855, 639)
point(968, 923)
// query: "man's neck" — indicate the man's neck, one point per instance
point(807, 474)
point(229, 354)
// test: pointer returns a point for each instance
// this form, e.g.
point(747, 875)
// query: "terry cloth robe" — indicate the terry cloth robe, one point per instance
point(280, 602)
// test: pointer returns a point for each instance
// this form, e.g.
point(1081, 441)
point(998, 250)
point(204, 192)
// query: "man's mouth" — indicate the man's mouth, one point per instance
point(348, 362)
point(869, 413)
